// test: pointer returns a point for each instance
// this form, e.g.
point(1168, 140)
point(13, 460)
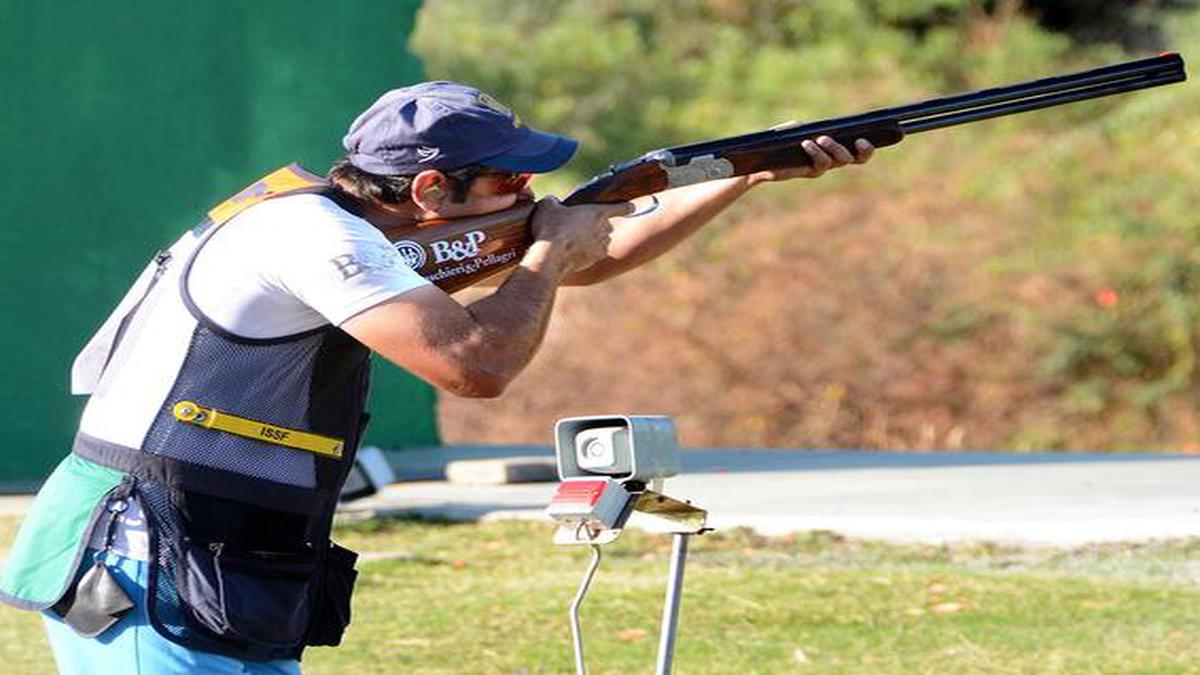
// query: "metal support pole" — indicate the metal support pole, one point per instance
point(670, 618)
point(576, 631)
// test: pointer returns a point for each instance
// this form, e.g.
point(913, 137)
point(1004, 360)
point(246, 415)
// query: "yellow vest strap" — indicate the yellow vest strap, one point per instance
point(192, 413)
point(287, 179)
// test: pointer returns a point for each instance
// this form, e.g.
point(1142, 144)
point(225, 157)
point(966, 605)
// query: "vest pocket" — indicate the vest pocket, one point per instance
point(331, 614)
point(257, 597)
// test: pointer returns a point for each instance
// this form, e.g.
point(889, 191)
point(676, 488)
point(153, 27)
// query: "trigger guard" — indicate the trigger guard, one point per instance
point(651, 208)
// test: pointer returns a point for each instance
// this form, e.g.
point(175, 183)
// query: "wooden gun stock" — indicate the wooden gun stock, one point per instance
point(455, 254)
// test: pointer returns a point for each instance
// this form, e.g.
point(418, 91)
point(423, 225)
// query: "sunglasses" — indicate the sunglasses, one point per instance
point(505, 182)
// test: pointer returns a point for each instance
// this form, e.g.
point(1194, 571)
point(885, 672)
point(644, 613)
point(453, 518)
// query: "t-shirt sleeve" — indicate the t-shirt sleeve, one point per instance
point(339, 265)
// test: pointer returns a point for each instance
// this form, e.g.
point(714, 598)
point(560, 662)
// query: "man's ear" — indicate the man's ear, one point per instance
point(430, 190)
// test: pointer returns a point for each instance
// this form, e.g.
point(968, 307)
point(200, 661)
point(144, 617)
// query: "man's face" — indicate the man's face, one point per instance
point(489, 192)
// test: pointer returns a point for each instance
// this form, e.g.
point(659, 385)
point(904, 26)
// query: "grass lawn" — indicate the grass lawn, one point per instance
point(492, 598)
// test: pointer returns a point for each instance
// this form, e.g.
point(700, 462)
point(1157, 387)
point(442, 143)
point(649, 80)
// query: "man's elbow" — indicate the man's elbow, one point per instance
point(476, 385)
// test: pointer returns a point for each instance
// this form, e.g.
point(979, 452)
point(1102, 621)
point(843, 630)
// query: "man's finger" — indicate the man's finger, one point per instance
point(836, 150)
point(863, 151)
point(821, 161)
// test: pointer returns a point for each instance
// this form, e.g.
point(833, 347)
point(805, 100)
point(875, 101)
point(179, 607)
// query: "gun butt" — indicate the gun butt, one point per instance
point(455, 254)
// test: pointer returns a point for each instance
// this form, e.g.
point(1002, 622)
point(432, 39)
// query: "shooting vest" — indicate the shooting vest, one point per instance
point(236, 449)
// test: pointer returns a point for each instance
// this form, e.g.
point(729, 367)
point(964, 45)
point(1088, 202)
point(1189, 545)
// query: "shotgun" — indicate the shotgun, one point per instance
point(454, 254)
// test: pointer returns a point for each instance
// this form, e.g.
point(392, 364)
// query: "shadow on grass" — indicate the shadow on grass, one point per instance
point(393, 521)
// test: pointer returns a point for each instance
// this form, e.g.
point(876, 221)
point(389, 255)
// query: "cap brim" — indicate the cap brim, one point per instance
point(537, 152)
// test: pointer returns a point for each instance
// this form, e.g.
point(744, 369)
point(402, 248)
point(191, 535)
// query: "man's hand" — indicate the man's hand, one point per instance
point(570, 238)
point(826, 154)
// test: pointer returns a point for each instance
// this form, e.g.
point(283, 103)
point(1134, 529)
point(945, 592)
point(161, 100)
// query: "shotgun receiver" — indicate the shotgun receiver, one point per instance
point(455, 254)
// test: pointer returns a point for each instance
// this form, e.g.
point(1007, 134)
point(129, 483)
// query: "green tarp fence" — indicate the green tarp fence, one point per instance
point(120, 124)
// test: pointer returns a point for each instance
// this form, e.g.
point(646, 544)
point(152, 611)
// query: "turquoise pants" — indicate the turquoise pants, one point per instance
point(133, 647)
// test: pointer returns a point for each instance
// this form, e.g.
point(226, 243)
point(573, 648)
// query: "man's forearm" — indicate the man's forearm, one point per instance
point(513, 320)
point(681, 212)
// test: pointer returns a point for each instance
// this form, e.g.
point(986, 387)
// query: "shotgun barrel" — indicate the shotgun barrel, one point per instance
point(776, 148)
point(972, 106)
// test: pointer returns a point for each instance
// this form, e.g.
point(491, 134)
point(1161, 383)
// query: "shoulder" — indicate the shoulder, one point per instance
point(311, 234)
point(302, 230)
point(297, 256)
point(307, 215)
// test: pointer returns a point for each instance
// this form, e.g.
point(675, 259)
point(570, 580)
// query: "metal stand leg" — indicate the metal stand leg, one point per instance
point(670, 619)
point(576, 631)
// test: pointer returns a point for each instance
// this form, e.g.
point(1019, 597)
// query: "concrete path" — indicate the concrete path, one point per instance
point(1027, 499)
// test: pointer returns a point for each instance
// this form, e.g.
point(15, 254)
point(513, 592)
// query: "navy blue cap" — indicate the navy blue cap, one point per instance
point(445, 125)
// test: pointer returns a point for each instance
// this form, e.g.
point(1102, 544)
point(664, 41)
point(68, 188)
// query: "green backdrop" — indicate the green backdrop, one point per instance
point(120, 124)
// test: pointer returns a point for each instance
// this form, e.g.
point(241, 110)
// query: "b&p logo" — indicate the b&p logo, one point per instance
point(411, 252)
point(458, 249)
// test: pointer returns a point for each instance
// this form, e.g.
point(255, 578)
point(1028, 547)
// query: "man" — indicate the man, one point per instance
point(188, 531)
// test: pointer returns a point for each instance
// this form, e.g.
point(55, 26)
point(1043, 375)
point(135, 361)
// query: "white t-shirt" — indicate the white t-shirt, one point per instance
point(284, 266)
point(295, 263)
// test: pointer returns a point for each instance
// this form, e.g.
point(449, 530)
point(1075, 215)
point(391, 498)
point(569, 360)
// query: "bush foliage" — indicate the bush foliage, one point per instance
point(1026, 283)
